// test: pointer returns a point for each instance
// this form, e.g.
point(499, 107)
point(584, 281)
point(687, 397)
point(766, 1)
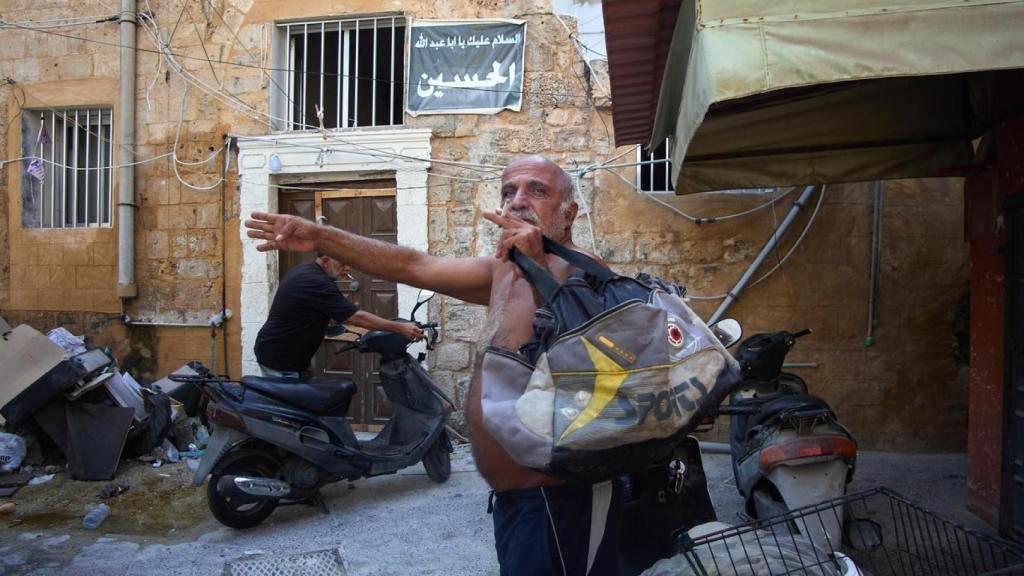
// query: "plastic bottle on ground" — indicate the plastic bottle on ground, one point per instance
point(96, 516)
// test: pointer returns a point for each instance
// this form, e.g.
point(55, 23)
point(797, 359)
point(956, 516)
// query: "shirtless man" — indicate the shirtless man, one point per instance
point(542, 526)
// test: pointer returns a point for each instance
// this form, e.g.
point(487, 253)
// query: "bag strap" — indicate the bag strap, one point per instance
point(543, 281)
point(579, 260)
point(536, 274)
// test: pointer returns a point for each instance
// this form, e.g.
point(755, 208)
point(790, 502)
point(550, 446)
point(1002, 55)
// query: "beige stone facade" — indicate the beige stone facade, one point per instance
point(905, 392)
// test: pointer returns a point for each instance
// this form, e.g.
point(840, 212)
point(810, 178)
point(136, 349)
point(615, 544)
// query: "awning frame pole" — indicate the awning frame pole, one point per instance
point(769, 246)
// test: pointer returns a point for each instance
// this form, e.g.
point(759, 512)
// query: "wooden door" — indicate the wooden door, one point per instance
point(369, 212)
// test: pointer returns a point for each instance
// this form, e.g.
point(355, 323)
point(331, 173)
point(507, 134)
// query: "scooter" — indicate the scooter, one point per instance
point(788, 448)
point(279, 440)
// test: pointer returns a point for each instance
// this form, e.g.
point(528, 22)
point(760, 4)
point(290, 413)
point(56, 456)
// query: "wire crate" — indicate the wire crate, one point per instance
point(884, 534)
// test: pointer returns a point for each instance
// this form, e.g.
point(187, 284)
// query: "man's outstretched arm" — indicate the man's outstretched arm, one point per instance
point(467, 279)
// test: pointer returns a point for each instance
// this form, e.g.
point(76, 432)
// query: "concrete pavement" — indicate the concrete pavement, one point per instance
point(400, 524)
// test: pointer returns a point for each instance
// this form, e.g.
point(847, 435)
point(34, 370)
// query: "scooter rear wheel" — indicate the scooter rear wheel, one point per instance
point(437, 460)
point(234, 513)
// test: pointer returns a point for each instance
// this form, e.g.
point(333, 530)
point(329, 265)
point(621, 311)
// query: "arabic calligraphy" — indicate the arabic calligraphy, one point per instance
point(473, 41)
point(493, 79)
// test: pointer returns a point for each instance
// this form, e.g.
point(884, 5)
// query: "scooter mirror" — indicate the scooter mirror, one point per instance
point(728, 331)
point(422, 298)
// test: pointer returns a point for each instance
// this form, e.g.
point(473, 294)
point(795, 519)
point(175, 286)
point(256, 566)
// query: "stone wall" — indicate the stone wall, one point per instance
point(904, 392)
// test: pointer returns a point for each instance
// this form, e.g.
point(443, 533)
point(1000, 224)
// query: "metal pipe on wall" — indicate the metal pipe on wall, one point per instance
point(126, 287)
point(765, 251)
point(876, 248)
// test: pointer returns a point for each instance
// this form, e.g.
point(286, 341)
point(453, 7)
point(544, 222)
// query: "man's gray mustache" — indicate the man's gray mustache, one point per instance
point(525, 216)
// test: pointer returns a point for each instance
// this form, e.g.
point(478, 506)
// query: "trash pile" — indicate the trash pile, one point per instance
point(69, 399)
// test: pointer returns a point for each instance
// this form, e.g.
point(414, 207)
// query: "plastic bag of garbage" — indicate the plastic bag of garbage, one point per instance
point(12, 452)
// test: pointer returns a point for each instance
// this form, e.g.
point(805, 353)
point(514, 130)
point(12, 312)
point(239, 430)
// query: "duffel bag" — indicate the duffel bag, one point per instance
point(619, 370)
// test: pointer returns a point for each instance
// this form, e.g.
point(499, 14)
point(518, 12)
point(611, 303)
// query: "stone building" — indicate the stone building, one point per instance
point(225, 123)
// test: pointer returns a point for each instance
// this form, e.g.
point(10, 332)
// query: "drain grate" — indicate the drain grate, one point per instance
point(319, 563)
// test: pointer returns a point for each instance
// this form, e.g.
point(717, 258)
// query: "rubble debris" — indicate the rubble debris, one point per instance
point(71, 344)
point(126, 392)
point(113, 490)
point(26, 356)
point(171, 452)
point(40, 480)
point(182, 434)
point(153, 429)
point(202, 436)
point(8, 508)
point(15, 479)
point(95, 413)
point(12, 452)
point(64, 377)
point(10, 483)
point(96, 437)
point(188, 394)
point(95, 517)
point(51, 469)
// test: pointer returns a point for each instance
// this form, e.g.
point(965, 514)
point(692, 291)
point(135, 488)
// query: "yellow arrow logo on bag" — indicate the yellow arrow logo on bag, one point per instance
point(606, 383)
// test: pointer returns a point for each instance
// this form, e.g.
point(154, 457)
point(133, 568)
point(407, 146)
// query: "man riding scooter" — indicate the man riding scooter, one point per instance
point(305, 303)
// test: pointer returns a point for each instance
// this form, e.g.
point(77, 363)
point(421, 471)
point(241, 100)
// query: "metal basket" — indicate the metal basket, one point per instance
point(884, 533)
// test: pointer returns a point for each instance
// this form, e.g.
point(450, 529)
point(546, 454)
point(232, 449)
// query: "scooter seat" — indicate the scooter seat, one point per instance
point(786, 403)
point(317, 396)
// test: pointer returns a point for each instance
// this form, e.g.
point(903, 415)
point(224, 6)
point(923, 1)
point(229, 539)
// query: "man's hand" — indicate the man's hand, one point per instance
point(283, 232)
point(519, 234)
point(412, 332)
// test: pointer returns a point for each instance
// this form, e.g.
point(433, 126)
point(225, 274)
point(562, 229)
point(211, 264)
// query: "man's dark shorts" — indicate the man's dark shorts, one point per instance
point(566, 530)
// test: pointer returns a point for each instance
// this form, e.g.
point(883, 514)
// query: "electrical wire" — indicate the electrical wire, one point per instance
point(287, 70)
point(174, 152)
point(799, 239)
point(817, 207)
point(216, 93)
point(577, 44)
point(702, 219)
point(58, 22)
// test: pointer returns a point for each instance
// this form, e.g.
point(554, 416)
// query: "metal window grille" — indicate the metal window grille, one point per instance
point(654, 169)
point(353, 69)
point(68, 177)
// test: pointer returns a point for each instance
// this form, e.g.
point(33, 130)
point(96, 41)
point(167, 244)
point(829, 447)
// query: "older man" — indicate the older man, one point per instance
point(541, 524)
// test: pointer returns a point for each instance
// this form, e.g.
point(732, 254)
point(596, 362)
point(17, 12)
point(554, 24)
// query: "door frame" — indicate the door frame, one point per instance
point(318, 198)
point(401, 154)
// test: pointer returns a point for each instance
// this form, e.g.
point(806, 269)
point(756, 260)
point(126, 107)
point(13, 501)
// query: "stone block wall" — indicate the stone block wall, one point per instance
point(905, 392)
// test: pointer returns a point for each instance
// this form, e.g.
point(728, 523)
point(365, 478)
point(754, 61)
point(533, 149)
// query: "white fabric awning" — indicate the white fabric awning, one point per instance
point(784, 92)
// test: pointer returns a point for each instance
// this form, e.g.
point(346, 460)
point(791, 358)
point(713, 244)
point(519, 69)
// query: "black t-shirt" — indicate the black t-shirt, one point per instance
point(303, 306)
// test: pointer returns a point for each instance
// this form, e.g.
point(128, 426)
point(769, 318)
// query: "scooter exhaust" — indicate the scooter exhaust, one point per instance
point(254, 489)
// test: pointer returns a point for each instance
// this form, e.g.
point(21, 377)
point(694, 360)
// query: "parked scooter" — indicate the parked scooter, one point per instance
point(788, 449)
point(279, 440)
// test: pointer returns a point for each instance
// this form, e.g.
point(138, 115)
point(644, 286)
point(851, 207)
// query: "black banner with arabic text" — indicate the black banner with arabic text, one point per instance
point(465, 67)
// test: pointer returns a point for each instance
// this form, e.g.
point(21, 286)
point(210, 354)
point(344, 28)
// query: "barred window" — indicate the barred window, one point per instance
point(656, 175)
point(67, 175)
point(353, 69)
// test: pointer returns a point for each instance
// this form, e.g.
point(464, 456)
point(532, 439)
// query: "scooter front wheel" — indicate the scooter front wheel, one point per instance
point(438, 460)
point(234, 512)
